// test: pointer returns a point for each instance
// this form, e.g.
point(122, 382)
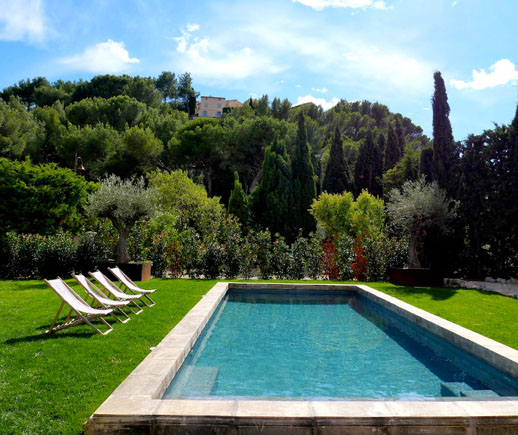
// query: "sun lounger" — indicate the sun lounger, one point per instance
point(83, 312)
point(115, 291)
point(98, 296)
point(130, 285)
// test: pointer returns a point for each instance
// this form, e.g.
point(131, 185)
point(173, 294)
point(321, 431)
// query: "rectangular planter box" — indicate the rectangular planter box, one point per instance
point(415, 277)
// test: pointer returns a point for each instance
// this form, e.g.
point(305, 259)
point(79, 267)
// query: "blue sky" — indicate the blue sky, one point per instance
point(303, 50)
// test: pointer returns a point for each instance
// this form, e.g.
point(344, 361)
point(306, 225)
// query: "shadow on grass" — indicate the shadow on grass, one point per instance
point(53, 336)
point(435, 293)
point(21, 285)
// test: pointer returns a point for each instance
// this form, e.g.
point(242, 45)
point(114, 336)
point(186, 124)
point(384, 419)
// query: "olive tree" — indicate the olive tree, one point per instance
point(417, 207)
point(124, 202)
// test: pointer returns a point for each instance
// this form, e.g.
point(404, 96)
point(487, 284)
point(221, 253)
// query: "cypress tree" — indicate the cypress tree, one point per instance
point(425, 164)
point(369, 166)
point(444, 153)
point(270, 200)
point(303, 181)
point(392, 150)
point(400, 138)
point(238, 201)
point(336, 179)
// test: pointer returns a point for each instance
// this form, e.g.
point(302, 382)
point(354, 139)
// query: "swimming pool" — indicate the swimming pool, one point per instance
point(326, 345)
point(138, 405)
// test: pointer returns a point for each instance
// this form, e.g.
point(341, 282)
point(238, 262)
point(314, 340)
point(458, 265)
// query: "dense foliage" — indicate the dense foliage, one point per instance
point(286, 158)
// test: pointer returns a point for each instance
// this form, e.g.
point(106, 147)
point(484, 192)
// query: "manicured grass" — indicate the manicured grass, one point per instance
point(52, 384)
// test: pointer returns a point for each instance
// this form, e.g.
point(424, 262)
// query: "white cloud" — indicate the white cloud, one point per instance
point(104, 57)
point(455, 3)
point(321, 90)
point(212, 59)
point(501, 73)
point(23, 20)
point(193, 27)
point(326, 105)
point(353, 4)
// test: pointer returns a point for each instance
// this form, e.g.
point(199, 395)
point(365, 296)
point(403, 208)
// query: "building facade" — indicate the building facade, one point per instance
point(212, 107)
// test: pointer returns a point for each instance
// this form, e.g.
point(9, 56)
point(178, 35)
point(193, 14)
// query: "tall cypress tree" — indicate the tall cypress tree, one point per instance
point(271, 200)
point(238, 201)
point(444, 152)
point(400, 137)
point(369, 166)
point(392, 150)
point(303, 181)
point(336, 178)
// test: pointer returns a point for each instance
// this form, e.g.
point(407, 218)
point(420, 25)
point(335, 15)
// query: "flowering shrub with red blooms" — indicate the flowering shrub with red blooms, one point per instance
point(329, 264)
point(360, 261)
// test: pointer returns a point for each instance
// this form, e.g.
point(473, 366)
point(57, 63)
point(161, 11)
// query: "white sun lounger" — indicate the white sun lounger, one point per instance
point(131, 286)
point(83, 312)
point(98, 296)
point(115, 291)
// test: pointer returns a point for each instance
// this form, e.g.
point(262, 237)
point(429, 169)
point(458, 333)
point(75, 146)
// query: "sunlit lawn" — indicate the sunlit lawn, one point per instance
point(52, 384)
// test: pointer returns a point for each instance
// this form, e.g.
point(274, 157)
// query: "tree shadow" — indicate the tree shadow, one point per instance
point(435, 293)
point(21, 285)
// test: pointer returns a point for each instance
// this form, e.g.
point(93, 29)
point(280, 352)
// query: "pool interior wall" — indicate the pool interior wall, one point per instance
point(136, 405)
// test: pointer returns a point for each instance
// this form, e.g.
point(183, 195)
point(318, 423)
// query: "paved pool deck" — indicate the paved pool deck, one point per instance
point(136, 406)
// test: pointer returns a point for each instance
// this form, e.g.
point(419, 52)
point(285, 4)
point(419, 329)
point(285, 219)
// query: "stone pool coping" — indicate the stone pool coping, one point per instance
point(136, 405)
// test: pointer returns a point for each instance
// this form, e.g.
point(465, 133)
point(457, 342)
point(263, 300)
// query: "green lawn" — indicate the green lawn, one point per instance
point(52, 384)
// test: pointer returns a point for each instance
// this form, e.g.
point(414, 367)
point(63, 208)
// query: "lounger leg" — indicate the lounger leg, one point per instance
point(51, 329)
point(138, 306)
point(151, 300)
point(128, 318)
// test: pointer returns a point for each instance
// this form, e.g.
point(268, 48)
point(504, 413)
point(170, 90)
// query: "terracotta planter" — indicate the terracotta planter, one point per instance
point(415, 277)
point(135, 271)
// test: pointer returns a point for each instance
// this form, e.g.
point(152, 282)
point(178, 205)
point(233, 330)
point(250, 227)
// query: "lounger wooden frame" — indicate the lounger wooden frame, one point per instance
point(101, 299)
point(84, 313)
point(129, 285)
point(115, 291)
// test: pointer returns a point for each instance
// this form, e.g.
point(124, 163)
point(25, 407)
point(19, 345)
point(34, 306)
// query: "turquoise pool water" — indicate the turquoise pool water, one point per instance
point(329, 346)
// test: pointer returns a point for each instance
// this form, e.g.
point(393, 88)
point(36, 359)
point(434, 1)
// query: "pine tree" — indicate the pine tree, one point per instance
point(238, 201)
point(271, 200)
point(303, 181)
point(392, 150)
point(444, 152)
point(336, 179)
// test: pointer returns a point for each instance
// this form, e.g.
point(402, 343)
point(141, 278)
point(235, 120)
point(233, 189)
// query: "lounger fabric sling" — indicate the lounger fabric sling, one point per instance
point(98, 296)
point(111, 288)
point(83, 312)
point(130, 285)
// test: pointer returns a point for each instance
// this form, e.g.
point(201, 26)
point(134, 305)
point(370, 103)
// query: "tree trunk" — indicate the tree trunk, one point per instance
point(122, 251)
point(413, 259)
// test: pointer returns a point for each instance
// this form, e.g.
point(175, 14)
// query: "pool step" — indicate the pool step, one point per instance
point(461, 389)
point(479, 394)
point(195, 381)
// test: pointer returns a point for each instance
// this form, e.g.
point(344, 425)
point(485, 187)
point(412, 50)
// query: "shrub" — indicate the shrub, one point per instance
point(314, 256)
point(345, 257)
point(281, 258)
point(263, 249)
point(299, 253)
point(329, 257)
point(209, 259)
point(89, 251)
point(231, 241)
point(56, 256)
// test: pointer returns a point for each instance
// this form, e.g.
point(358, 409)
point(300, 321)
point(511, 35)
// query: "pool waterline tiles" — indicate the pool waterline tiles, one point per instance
point(137, 404)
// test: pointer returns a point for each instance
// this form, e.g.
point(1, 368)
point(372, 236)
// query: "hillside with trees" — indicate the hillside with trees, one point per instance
point(281, 169)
